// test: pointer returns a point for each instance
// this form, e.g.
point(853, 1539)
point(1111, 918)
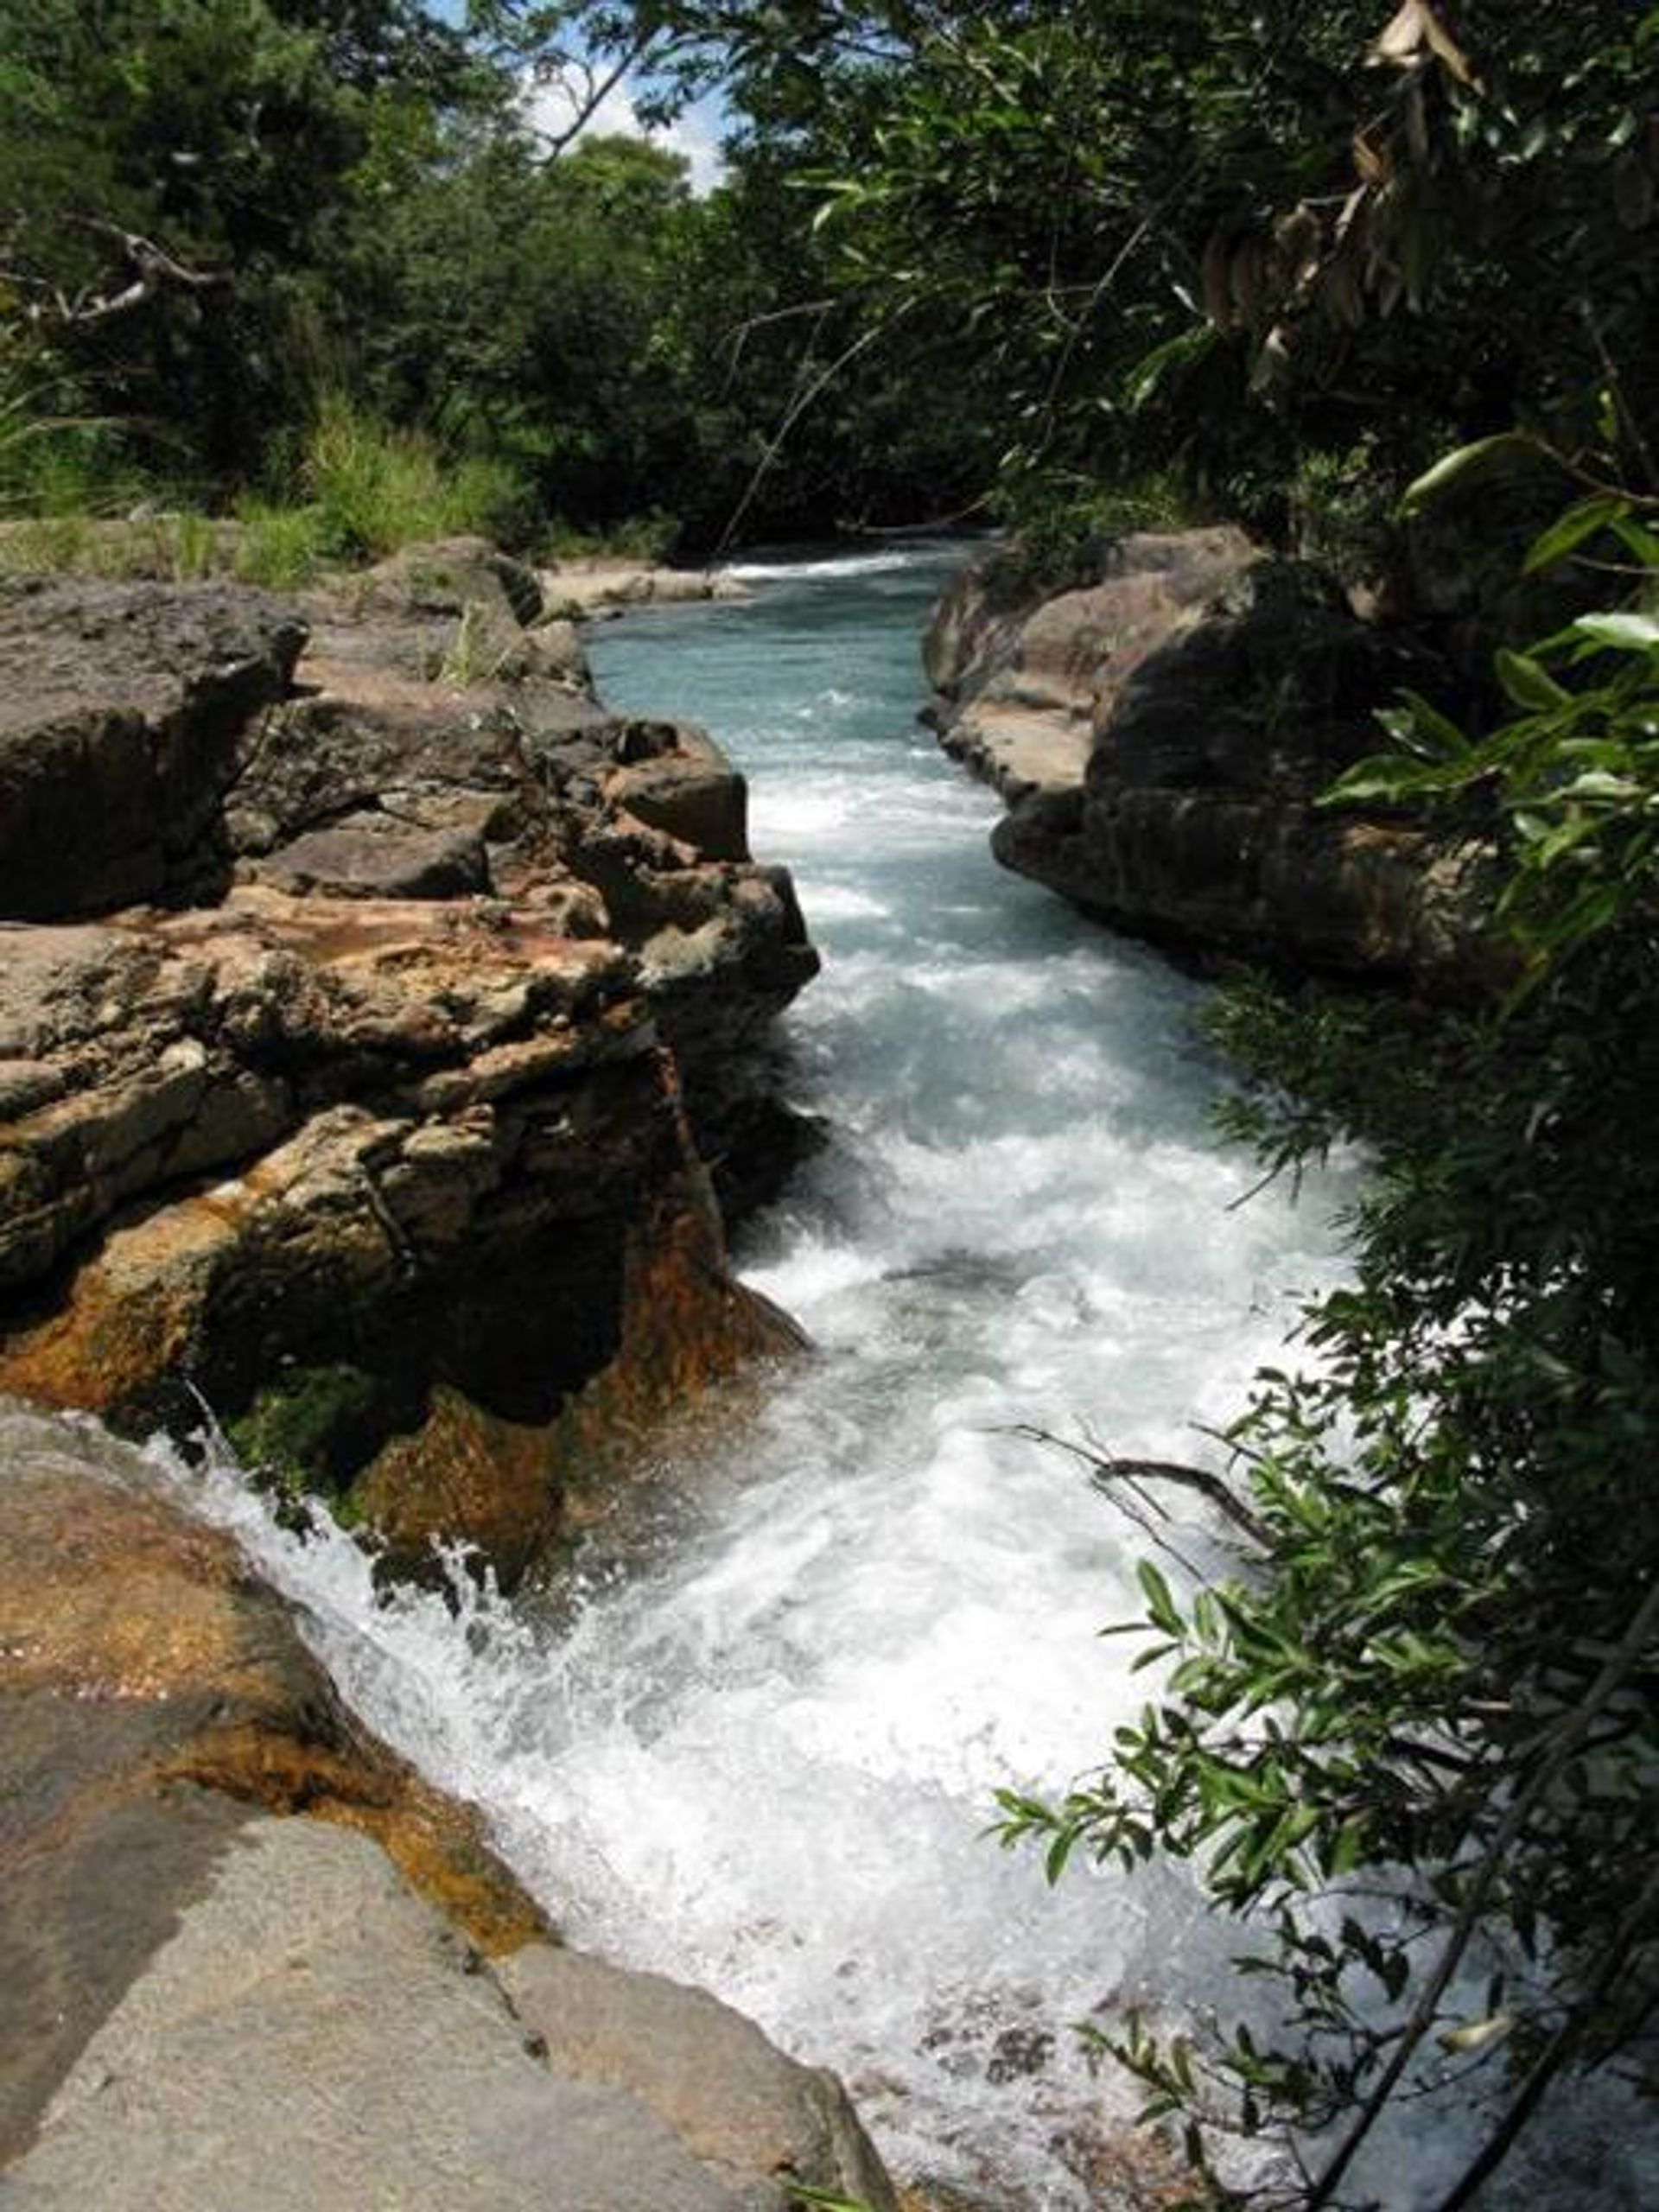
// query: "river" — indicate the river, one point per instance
point(759, 1750)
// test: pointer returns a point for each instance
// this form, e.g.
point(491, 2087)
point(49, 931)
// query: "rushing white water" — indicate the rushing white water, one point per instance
point(761, 1752)
point(762, 1755)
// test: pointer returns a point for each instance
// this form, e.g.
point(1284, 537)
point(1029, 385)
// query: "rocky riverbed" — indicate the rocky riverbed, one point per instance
point(372, 1002)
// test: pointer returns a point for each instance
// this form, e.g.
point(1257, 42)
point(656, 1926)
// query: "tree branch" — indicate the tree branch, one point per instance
point(1107, 1469)
point(154, 267)
point(1567, 1742)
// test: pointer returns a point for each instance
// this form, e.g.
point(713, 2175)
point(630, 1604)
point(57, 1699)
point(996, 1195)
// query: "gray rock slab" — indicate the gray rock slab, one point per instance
point(376, 857)
point(728, 2092)
point(314, 2039)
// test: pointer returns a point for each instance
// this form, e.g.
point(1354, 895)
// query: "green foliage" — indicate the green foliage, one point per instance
point(371, 488)
point(1430, 1685)
point(1059, 522)
point(649, 537)
point(1570, 777)
point(310, 1430)
point(280, 547)
point(1225, 240)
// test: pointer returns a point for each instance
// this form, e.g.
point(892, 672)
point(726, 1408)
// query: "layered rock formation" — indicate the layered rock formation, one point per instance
point(210, 2002)
point(382, 1121)
point(1162, 736)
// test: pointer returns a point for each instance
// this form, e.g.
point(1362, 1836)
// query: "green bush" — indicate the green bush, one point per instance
point(279, 547)
point(1431, 1676)
point(1059, 523)
point(649, 537)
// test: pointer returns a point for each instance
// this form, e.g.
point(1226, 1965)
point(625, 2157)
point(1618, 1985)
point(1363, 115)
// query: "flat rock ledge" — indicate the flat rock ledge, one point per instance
point(1161, 737)
point(371, 1000)
point(597, 586)
point(252, 1960)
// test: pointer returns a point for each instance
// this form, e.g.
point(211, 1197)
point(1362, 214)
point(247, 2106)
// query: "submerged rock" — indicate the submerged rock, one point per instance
point(209, 2007)
point(425, 1092)
point(1162, 738)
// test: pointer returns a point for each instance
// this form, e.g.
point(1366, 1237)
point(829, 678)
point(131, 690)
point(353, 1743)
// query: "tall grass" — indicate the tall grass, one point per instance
point(347, 488)
point(374, 488)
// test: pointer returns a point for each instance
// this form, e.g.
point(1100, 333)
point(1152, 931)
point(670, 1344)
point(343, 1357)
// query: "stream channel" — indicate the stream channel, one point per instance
point(759, 1750)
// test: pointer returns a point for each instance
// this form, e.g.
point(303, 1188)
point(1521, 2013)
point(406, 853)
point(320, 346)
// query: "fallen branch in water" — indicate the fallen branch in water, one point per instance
point(1108, 1471)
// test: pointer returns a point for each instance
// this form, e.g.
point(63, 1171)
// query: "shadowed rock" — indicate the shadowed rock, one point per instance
point(1163, 737)
point(124, 709)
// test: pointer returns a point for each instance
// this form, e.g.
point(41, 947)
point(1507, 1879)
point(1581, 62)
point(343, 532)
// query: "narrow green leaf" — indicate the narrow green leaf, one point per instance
point(1426, 731)
point(1529, 683)
point(1600, 512)
point(1160, 1604)
point(1637, 633)
point(1483, 453)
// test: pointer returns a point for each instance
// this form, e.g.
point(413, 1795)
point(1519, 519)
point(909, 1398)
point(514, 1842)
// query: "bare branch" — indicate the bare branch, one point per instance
point(154, 271)
point(586, 89)
point(1108, 1470)
point(808, 387)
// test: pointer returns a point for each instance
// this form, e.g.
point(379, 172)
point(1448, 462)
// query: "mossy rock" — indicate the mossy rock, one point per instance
point(312, 1430)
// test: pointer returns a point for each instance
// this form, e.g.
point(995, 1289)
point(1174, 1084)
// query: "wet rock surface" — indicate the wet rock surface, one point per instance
point(207, 2006)
point(1162, 738)
point(446, 983)
point(156, 1696)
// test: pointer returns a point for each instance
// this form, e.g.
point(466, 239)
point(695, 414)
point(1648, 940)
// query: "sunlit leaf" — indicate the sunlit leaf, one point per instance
point(1505, 448)
point(1586, 520)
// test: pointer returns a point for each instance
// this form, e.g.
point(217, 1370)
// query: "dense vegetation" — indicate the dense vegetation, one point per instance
point(1075, 261)
point(1413, 1736)
point(261, 251)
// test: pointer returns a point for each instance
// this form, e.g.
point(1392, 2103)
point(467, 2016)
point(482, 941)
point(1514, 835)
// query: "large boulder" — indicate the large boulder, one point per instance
point(251, 1958)
point(1023, 679)
point(121, 725)
point(158, 1699)
point(1163, 738)
point(381, 1150)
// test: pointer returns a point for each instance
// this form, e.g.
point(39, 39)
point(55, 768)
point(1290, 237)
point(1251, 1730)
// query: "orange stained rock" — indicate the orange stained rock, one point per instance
point(687, 1325)
point(470, 1477)
point(111, 1597)
point(134, 1312)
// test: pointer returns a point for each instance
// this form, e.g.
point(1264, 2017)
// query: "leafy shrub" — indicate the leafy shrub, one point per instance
point(1432, 1679)
point(649, 537)
point(1058, 523)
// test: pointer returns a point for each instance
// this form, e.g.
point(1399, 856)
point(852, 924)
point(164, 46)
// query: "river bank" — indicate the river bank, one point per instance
point(373, 1000)
point(753, 1740)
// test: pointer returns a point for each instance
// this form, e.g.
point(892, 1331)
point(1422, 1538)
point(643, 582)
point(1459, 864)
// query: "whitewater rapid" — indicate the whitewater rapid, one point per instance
point(760, 1749)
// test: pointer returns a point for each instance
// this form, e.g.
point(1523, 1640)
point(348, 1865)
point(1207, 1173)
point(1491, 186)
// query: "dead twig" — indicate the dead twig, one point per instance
point(1109, 1471)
